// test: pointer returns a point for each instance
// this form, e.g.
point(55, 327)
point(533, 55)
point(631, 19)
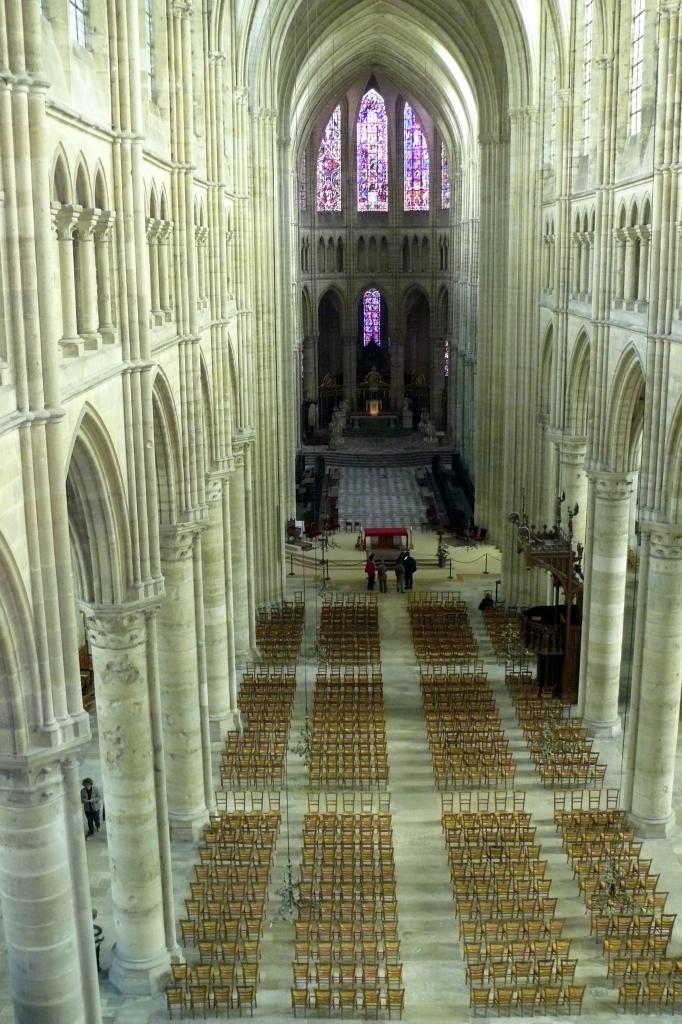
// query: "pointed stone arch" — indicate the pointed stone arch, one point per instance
point(98, 513)
point(671, 500)
point(60, 180)
point(82, 184)
point(546, 372)
point(577, 386)
point(19, 695)
point(625, 414)
point(101, 191)
point(170, 483)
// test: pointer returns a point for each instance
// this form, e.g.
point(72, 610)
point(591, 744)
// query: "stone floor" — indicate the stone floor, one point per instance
point(380, 497)
point(433, 969)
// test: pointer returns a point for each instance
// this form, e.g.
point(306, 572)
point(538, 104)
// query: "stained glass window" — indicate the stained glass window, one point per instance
point(329, 166)
point(372, 132)
point(444, 180)
point(416, 154)
point(303, 184)
point(371, 317)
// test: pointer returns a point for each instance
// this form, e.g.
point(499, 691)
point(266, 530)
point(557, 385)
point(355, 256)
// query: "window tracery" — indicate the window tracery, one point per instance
point(372, 154)
point(416, 157)
point(371, 317)
point(329, 166)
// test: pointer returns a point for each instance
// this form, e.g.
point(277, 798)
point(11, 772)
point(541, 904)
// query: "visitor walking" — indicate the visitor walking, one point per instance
point(98, 935)
point(91, 799)
point(370, 570)
point(410, 567)
point(381, 574)
point(399, 570)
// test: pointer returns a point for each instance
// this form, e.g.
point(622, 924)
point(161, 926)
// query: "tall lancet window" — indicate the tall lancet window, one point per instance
point(329, 166)
point(444, 180)
point(371, 317)
point(416, 153)
point(372, 130)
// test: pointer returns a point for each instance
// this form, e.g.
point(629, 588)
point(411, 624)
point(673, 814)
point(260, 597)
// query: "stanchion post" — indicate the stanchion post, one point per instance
point(485, 571)
point(291, 564)
point(450, 574)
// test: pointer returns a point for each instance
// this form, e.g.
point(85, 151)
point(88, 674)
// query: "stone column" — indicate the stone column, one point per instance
point(349, 370)
point(178, 673)
point(49, 971)
point(629, 275)
point(103, 271)
point(644, 236)
point(88, 312)
point(606, 606)
point(240, 595)
point(619, 266)
point(215, 611)
point(64, 219)
point(119, 647)
point(573, 482)
point(661, 681)
point(250, 547)
point(164, 270)
point(153, 229)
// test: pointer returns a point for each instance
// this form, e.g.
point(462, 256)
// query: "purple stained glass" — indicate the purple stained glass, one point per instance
point(303, 184)
point(416, 153)
point(372, 148)
point(444, 180)
point(371, 317)
point(329, 166)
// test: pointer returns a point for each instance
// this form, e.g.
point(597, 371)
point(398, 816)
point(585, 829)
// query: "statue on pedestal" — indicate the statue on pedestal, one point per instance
point(336, 426)
point(408, 417)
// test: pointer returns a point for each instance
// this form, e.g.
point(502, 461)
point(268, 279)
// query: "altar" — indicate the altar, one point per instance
point(392, 537)
point(374, 420)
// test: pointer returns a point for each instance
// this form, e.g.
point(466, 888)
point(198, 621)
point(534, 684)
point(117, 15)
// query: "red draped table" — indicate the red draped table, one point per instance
point(386, 536)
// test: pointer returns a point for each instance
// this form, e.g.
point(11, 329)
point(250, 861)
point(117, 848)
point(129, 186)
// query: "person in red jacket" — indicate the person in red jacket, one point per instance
point(371, 571)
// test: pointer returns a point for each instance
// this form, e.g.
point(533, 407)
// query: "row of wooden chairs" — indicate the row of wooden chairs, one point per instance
point(348, 734)
point(558, 745)
point(225, 913)
point(256, 756)
point(347, 950)
point(468, 745)
point(349, 802)
point(505, 631)
point(527, 1000)
point(512, 940)
point(482, 800)
point(368, 1003)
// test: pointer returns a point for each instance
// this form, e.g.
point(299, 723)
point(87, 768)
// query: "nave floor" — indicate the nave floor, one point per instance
point(433, 967)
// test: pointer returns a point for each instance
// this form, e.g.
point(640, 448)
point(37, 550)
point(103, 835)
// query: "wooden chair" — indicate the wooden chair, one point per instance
point(505, 998)
point(573, 999)
point(630, 995)
point(222, 999)
point(370, 1002)
point(395, 1002)
point(246, 996)
point(198, 999)
point(175, 1000)
point(299, 1001)
point(479, 1000)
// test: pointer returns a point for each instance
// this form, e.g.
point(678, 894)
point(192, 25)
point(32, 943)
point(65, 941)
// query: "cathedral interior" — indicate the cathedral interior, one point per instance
point(283, 284)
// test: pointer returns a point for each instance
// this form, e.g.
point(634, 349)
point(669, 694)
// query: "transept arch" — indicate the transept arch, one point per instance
point(625, 415)
point(98, 513)
point(577, 386)
point(19, 711)
point(672, 475)
point(170, 484)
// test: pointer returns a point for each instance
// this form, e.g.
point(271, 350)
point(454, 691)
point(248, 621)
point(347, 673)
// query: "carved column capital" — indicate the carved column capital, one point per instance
point(665, 541)
point(611, 486)
point(86, 223)
point(176, 542)
point(64, 219)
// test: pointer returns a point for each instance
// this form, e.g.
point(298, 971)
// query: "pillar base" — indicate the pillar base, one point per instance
point(653, 828)
point(187, 827)
point(218, 726)
point(139, 977)
point(604, 729)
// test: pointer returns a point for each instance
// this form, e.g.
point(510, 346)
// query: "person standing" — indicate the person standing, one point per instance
point(381, 574)
point(370, 570)
point(91, 799)
point(98, 935)
point(399, 576)
point(410, 567)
